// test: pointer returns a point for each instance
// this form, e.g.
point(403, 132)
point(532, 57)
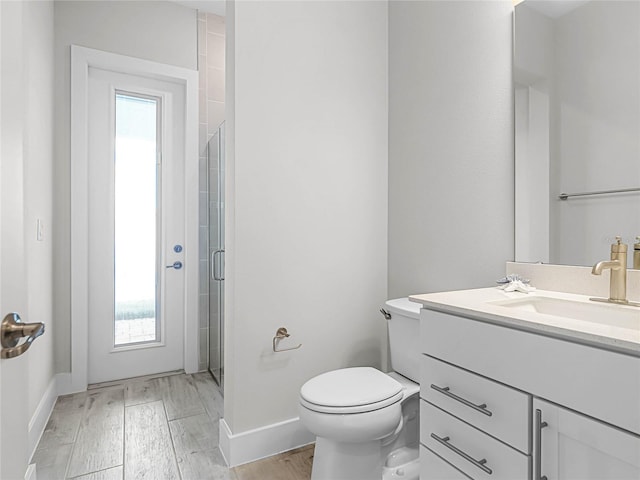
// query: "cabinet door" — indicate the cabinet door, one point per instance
point(568, 445)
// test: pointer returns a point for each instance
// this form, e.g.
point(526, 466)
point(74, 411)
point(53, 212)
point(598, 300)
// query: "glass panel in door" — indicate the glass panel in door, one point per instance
point(136, 219)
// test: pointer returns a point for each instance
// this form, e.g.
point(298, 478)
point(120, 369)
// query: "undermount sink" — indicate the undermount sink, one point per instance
point(605, 314)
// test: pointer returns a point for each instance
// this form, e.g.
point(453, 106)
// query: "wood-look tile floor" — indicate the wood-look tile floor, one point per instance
point(153, 428)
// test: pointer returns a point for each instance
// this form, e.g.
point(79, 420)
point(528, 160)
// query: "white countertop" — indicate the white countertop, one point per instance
point(478, 304)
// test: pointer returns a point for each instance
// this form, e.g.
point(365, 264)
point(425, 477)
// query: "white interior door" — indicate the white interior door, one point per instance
point(136, 137)
point(14, 371)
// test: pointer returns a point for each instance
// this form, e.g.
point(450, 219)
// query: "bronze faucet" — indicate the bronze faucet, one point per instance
point(618, 267)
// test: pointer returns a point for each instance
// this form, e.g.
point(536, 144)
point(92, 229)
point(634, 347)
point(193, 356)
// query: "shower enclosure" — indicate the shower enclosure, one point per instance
point(215, 170)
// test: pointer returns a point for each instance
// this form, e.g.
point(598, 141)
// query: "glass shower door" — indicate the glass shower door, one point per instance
point(216, 255)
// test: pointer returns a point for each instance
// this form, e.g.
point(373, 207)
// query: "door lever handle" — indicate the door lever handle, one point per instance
point(12, 329)
point(177, 265)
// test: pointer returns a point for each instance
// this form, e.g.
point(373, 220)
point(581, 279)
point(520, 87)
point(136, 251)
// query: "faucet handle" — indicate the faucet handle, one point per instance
point(618, 247)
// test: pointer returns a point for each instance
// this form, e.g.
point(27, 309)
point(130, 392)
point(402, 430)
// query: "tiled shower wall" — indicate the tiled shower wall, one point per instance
point(211, 31)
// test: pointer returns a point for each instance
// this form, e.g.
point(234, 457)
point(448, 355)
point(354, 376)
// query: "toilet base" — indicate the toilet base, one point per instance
point(402, 464)
point(409, 471)
point(363, 461)
point(346, 461)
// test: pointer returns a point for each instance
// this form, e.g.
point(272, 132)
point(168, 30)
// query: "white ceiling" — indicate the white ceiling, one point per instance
point(550, 8)
point(554, 8)
point(209, 6)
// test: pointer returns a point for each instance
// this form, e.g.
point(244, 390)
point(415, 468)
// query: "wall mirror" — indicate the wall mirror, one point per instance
point(577, 97)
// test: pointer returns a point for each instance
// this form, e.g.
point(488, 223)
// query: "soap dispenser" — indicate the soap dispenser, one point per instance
point(636, 254)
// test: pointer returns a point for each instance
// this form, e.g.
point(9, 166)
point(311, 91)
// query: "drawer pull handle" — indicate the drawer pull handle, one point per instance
point(481, 464)
point(447, 391)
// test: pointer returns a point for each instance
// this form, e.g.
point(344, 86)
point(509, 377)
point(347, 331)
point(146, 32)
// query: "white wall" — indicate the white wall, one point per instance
point(153, 30)
point(532, 194)
point(450, 144)
point(38, 174)
point(533, 67)
point(533, 47)
point(595, 143)
point(307, 186)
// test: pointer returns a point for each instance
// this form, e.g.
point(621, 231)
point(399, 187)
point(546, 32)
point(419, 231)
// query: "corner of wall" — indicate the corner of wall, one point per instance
point(38, 31)
point(229, 220)
point(262, 442)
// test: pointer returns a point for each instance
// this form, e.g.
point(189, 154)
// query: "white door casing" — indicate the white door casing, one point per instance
point(82, 59)
point(13, 372)
point(107, 362)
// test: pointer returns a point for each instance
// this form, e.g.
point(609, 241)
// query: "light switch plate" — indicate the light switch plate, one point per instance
point(39, 236)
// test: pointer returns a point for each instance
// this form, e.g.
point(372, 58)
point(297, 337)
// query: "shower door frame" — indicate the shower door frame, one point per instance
point(216, 211)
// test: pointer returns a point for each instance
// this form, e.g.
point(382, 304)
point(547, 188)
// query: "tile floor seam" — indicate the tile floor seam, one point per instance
point(125, 381)
point(96, 471)
point(173, 445)
point(77, 429)
point(75, 437)
point(143, 403)
point(187, 416)
point(124, 436)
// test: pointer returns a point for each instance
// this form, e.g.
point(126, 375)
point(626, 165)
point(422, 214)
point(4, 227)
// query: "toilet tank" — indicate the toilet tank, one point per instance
point(404, 337)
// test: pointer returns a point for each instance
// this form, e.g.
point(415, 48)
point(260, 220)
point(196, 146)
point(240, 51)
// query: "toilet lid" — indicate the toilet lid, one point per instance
point(351, 387)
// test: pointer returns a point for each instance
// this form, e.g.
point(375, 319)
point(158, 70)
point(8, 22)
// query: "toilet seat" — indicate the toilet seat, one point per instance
point(350, 390)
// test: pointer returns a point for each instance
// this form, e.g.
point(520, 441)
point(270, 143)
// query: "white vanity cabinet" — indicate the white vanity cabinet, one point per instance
point(572, 446)
point(584, 400)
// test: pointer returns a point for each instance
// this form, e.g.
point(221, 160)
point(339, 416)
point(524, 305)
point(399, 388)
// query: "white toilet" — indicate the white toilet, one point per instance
point(367, 422)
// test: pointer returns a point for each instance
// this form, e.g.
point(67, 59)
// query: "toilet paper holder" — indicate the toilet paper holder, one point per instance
point(280, 334)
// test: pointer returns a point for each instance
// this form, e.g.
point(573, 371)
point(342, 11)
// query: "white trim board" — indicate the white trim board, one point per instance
point(31, 473)
point(60, 384)
point(40, 417)
point(262, 442)
point(81, 59)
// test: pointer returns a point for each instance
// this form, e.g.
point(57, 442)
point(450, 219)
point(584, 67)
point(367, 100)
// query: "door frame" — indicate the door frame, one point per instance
point(81, 59)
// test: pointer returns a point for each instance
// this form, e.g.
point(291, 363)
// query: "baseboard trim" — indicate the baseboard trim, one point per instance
point(40, 417)
point(64, 382)
point(60, 384)
point(262, 442)
point(31, 473)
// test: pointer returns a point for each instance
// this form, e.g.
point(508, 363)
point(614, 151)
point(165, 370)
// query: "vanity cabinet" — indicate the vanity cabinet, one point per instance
point(572, 446)
point(499, 402)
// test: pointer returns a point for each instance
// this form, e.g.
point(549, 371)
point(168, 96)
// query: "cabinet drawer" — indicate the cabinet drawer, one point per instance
point(433, 467)
point(471, 451)
point(505, 414)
